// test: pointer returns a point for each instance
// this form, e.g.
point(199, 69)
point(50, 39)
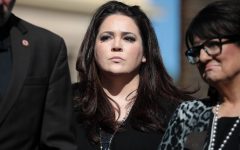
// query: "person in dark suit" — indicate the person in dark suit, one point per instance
point(35, 87)
point(125, 96)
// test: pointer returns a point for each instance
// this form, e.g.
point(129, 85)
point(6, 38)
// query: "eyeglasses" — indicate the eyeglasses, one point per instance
point(212, 47)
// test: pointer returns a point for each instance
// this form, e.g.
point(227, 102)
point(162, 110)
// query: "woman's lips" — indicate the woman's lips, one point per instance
point(209, 67)
point(116, 58)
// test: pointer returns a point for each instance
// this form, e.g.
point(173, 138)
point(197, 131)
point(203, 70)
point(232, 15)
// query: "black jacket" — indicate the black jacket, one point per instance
point(35, 113)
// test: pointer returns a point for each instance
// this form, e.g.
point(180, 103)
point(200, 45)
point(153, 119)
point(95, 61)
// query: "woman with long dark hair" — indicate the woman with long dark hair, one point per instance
point(125, 96)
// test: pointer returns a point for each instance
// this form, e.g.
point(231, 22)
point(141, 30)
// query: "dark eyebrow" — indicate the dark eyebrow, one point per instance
point(123, 33)
point(129, 33)
point(107, 32)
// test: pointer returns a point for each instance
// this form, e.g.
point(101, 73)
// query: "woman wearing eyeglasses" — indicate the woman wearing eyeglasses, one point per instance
point(213, 41)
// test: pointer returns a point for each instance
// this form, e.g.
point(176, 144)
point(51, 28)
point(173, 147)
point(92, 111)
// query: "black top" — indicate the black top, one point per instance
point(223, 127)
point(128, 139)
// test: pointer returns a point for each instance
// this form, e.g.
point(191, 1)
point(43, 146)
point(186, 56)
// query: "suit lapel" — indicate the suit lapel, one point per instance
point(20, 46)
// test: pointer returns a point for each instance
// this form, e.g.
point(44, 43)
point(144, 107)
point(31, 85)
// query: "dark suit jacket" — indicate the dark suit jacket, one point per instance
point(35, 113)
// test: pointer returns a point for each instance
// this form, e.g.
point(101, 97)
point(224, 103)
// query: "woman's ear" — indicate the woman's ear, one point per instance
point(144, 59)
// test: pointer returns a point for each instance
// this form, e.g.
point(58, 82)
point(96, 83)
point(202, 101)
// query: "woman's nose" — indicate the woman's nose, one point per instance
point(203, 56)
point(116, 49)
point(117, 45)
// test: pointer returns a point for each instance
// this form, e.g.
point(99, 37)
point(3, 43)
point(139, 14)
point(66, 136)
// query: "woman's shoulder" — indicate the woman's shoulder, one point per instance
point(194, 109)
point(205, 103)
point(191, 115)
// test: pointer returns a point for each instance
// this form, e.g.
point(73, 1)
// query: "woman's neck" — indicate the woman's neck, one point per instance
point(230, 90)
point(122, 89)
point(120, 86)
point(230, 97)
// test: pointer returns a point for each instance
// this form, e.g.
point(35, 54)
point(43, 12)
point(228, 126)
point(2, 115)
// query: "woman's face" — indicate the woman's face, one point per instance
point(224, 67)
point(118, 46)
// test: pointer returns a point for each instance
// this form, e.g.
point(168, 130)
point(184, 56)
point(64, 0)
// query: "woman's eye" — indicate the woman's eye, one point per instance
point(130, 39)
point(104, 38)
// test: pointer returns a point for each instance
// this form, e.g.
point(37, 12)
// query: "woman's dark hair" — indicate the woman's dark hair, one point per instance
point(218, 19)
point(156, 93)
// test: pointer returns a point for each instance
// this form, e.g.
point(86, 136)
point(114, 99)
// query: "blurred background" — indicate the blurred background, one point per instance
point(170, 18)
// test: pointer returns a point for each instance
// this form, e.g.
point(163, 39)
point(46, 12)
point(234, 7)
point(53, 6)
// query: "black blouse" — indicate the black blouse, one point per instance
point(129, 139)
point(223, 127)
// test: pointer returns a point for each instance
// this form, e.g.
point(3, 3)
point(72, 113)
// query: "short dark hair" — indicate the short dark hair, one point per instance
point(216, 20)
